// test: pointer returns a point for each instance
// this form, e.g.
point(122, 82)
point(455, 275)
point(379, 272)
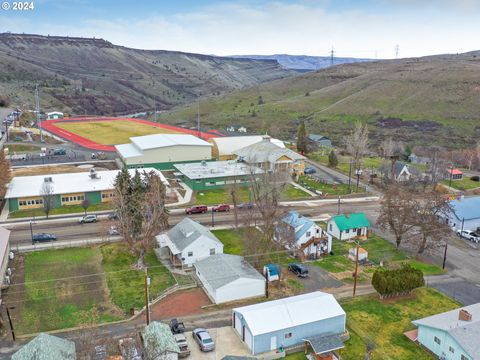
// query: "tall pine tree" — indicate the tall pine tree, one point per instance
point(302, 139)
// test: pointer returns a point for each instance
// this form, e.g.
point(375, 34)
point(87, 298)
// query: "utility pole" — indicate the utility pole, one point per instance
point(358, 172)
point(355, 274)
point(397, 49)
point(31, 230)
point(350, 177)
point(198, 118)
point(332, 54)
point(338, 210)
point(213, 217)
point(451, 176)
point(147, 302)
point(39, 120)
point(445, 255)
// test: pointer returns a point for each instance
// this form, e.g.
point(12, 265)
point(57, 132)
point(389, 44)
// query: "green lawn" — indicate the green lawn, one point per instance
point(21, 148)
point(232, 241)
point(384, 322)
point(126, 284)
point(64, 210)
point(379, 250)
point(222, 196)
point(464, 184)
point(326, 189)
point(60, 290)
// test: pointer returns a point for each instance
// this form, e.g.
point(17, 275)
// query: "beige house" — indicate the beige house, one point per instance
point(161, 151)
point(269, 156)
point(224, 147)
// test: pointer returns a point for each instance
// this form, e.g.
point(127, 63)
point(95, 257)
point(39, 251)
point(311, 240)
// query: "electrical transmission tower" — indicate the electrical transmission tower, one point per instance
point(332, 56)
point(397, 49)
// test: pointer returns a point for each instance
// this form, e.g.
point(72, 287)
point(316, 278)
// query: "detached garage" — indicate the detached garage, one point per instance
point(287, 322)
point(228, 278)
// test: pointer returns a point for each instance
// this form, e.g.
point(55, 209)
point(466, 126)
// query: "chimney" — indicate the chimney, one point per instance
point(464, 315)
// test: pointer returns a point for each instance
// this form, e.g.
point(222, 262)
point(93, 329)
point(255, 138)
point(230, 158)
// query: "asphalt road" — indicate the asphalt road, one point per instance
point(71, 229)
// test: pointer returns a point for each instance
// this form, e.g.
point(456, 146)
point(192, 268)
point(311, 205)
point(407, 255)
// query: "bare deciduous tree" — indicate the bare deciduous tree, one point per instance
point(357, 143)
point(437, 164)
point(392, 150)
point(48, 197)
point(398, 212)
point(85, 205)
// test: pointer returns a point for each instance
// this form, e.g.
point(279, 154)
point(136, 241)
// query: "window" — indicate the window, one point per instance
point(22, 203)
point(463, 357)
point(451, 349)
point(331, 227)
point(288, 335)
point(212, 251)
point(190, 253)
point(309, 234)
point(437, 340)
point(66, 199)
point(107, 195)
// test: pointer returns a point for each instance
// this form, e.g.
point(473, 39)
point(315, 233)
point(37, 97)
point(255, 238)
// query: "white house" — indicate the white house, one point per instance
point(348, 226)
point(401, 171)
point(229, 278)
point(465, 214)
point(290, 321)
point(296, 232)
point(188, 242)
point(54, 115)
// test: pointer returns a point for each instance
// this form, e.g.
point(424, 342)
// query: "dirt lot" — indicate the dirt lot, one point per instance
point(180, 304)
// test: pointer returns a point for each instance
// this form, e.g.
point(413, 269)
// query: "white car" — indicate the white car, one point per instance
point(468, 234)
point(113, 230)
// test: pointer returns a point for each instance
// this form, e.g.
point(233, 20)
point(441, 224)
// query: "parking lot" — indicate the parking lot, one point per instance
point(226, 341)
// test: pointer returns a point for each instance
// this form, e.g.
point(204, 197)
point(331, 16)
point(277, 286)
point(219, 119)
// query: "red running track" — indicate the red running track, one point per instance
point(49, 125)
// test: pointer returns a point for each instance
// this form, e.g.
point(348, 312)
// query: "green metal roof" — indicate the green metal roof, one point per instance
point(352, 221)
point(158, 340)
point(47, 347)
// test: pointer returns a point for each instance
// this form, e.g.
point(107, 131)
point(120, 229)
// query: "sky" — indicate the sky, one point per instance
point(356, 28)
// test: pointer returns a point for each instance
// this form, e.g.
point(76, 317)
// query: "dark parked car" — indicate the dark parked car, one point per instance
point(177, 327)
point(245, 206)
point(88, 219)
point(203, 339)
point(309, 170)
point(59, 152)
point(298, 269)
point(221, 207)
point(43, 237)
point(198, 209)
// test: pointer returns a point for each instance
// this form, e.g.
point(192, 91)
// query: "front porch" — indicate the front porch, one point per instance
point(314, 248)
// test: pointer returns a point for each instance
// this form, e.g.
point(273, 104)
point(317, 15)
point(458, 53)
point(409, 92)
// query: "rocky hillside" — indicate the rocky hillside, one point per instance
point(93, 76)
point(429, 100)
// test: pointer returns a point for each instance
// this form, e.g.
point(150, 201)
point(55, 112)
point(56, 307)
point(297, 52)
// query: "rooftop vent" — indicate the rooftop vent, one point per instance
point(464, 315)
point(203, 163)
point(48, 179)
point(93, 174)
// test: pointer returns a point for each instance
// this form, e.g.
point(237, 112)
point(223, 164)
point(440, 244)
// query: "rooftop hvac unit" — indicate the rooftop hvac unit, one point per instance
point(48, 179)
point(94, 174)
point(204, 163)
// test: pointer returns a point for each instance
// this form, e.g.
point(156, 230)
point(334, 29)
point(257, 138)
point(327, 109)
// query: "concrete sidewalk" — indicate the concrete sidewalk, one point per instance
point(65, 244)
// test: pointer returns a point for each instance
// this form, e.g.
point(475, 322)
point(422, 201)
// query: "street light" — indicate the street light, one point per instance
point(213, 217)
point(31, 230)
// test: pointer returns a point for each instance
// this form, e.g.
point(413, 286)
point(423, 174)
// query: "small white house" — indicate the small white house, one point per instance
point(229, 278)
point(54, 115)
point(348, 226)
point(188, 242)
point(298, 232)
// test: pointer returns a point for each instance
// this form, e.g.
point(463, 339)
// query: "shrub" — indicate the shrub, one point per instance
point(397, 281)
point(4, 101)
point(475, 178)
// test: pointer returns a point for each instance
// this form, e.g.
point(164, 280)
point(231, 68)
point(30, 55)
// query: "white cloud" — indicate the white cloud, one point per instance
point(302, 28)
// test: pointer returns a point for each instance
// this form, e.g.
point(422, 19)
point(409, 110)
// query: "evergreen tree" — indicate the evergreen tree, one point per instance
point(332, 159)
point(302, 139)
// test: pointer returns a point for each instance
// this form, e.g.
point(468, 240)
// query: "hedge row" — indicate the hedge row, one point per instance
point(397, 281)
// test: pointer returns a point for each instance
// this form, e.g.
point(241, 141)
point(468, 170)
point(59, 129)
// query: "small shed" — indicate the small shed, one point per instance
point(287, 322)
point(159, 343)
point(228, 278)
point(271, 272)
point(454, 174)
point(362, 254)
point(54, 115)
point(47, 347)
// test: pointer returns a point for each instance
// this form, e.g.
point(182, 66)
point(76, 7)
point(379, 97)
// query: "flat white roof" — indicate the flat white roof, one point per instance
point(128, 150)
point(213, 169)
point(165, 140)
point(229, 144)
point(289, 312)
point(29, 186)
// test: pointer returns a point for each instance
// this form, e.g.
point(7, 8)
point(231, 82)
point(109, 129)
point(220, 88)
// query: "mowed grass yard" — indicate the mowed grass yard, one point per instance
point(383, 322)
point(63, 210)
point(77, 286)
point(464, 184)
point(111, 132)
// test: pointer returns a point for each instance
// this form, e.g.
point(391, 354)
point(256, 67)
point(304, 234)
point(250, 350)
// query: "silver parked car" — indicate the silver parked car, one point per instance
point(203, 339)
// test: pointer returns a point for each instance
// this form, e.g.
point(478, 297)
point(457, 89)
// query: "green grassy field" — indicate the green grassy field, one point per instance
point(370, 320)
point(464, 184)
point(60, 290)
point(63, 288)
point(64, 210)
point(326, 189)
point(126, 284)
point(21, 148)
point(111, 132)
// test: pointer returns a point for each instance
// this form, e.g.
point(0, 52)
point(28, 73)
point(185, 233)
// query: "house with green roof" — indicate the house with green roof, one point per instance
point(159, 343)
point(47, 347)
point(348, 226)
